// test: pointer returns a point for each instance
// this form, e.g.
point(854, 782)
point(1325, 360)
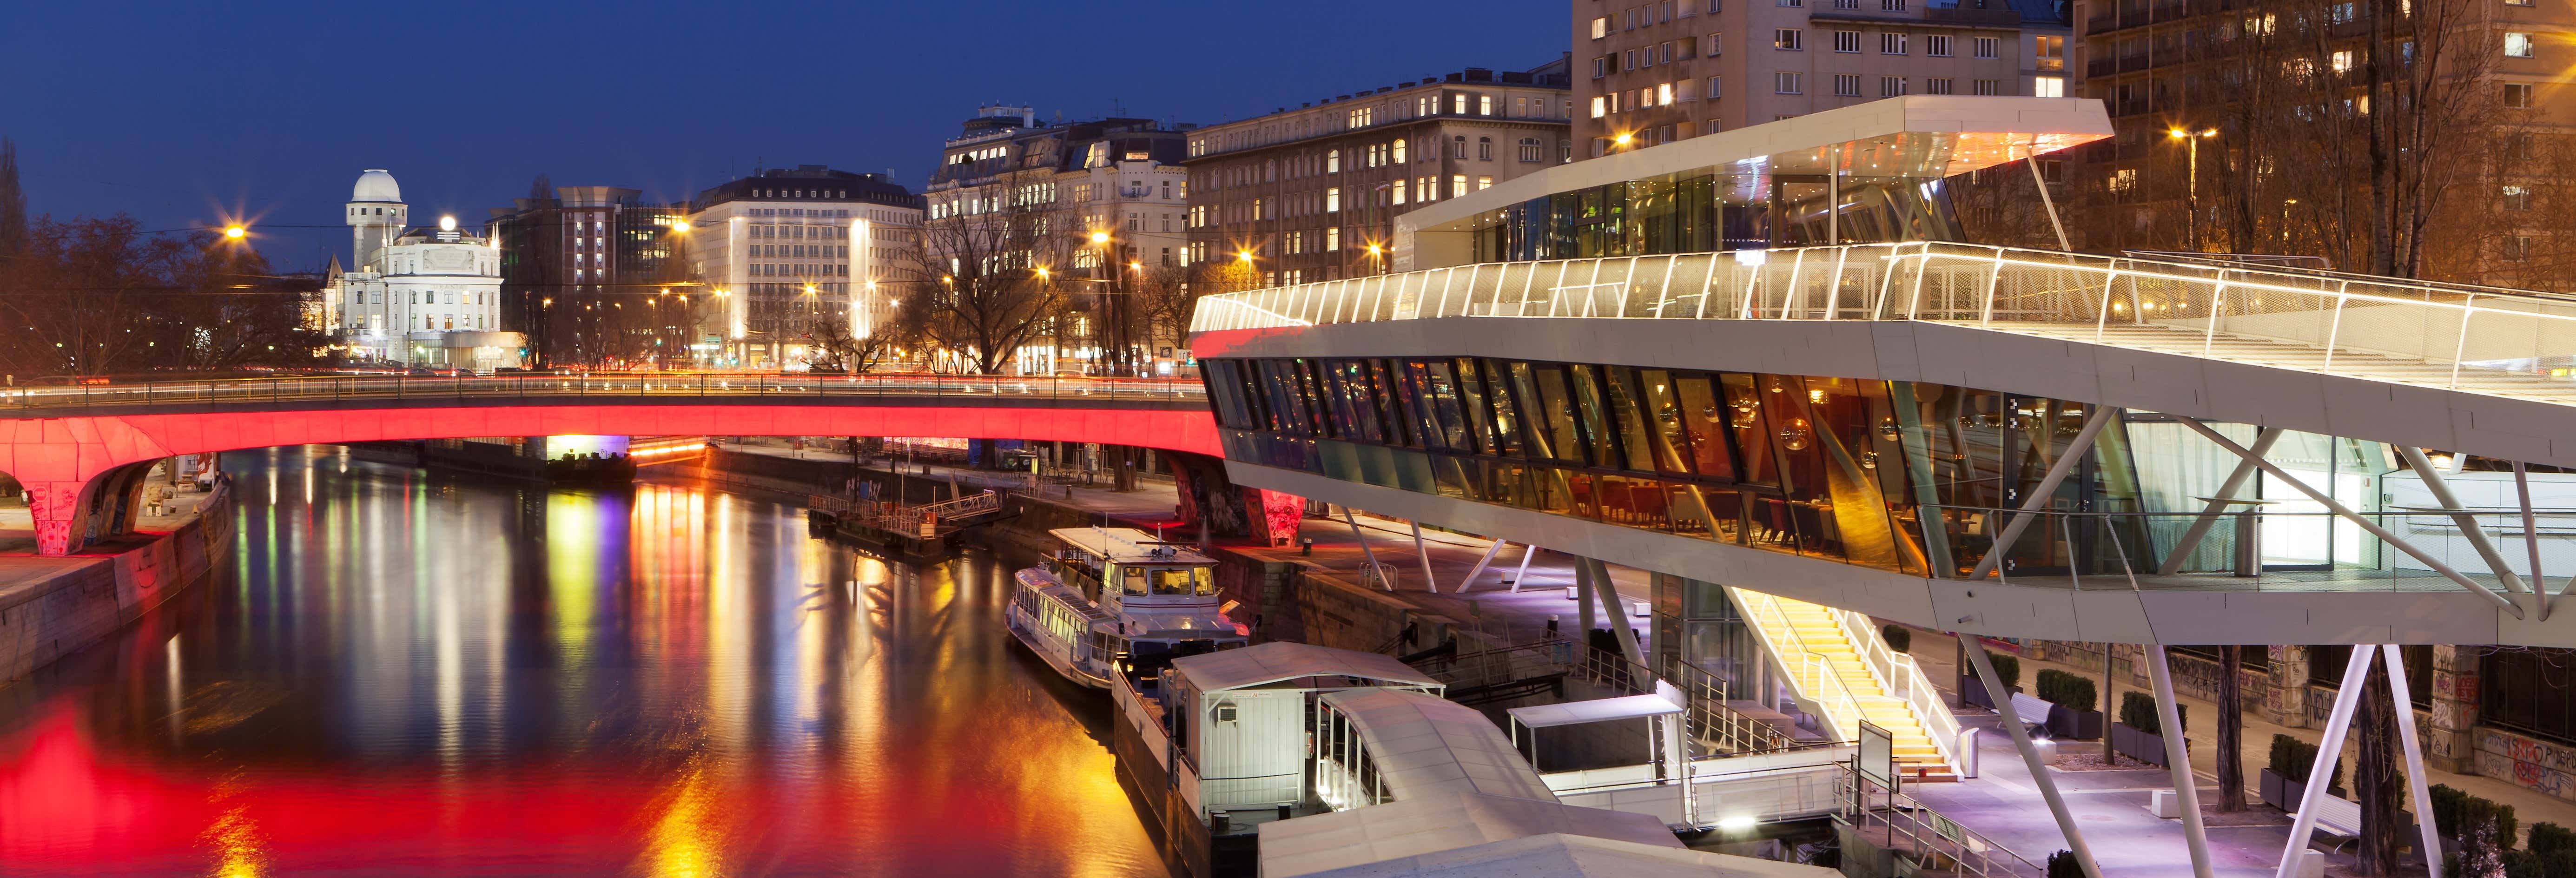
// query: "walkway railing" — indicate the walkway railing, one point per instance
point(2253, 549)
point(2463, 337)
point(1895, 820)
point(1806, 665)
point(1899, 676)
point(785, 388)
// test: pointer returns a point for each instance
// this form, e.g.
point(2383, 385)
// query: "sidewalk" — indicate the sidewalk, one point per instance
point(18, 529)
point(1152, 501)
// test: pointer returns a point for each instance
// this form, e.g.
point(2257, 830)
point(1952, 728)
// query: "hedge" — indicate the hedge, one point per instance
point(2068, 690)
point(2138, 711)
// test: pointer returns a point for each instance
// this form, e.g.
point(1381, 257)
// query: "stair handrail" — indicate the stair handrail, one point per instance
point(1840, 706)
point(1898, 675)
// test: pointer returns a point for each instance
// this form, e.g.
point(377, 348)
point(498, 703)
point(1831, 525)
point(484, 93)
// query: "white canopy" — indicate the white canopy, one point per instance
point(1556, 854)
point(1412, 828)
point(1267, 663)
point(1425, 746)
point(1596, 710)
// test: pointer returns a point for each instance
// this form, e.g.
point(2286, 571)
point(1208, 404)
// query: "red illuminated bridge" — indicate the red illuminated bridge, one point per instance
point(82, 451)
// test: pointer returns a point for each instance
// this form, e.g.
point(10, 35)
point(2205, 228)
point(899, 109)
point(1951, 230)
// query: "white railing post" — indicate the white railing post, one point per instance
point(2468, 308)
point(2334, 329)
point(2209, 337)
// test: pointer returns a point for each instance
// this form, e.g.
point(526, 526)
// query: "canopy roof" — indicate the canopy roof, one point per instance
point(1426, 746)
point(1267, 663)
point(1127, 545)
point(1405, 831)
point(1596, 710)
point(1566, 854)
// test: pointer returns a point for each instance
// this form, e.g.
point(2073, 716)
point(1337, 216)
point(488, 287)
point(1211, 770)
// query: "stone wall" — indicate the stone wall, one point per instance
point(84, 600)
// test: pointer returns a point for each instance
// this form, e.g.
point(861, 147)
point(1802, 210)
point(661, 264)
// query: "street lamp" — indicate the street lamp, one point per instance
point(2191, 198)
point(235, 232)
point(1377, 258)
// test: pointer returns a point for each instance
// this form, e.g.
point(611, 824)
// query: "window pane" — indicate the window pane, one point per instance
point(1395, 408)
point(1704, 419)
point(1440, 390)
point(1471, 397)
point(1507, 429)
point(1554, 425)
point(1596, 417)
point(1625, 408)
point(1752, 439)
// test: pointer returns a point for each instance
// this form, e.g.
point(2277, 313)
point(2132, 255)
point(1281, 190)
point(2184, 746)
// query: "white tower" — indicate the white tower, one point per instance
point(376, 217)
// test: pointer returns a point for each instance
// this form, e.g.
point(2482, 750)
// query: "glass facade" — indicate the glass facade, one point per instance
point(1712, 211)
point(1894, 475)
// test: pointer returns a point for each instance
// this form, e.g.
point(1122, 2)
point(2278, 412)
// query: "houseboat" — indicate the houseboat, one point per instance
point(1116, 600)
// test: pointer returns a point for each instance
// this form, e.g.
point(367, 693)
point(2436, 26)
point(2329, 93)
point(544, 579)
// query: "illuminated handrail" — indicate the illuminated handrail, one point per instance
point(715, 385)
point(1805, 665)
point(2389, 329)
point(1898, 675)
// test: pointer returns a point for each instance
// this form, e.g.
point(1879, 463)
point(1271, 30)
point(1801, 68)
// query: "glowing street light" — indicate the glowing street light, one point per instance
point(1100, 237)
point(447, 224)
point(678, 226)
point(235, 232)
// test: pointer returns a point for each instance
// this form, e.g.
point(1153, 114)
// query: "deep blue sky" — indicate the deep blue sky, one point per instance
point(181, 112)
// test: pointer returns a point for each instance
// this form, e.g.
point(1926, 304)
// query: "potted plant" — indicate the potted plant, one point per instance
point(2140, 732)
point(1972, 689)
point(2073, 698)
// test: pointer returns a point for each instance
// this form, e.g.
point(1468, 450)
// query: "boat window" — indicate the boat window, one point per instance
point(1173, 580)
point(1205, 580)
point(1132, 579)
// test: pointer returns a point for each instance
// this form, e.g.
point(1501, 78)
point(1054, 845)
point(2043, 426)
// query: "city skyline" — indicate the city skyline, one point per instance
point(238, 84)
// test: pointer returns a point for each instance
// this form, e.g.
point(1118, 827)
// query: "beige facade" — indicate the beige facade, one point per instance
point(1312, 193)
point(1656, 72)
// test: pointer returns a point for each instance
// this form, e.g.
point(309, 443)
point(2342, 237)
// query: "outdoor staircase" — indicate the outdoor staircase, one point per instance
point(1844, 672)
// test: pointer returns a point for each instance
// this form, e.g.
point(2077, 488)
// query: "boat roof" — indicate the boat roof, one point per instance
point(1411, 837)
point(1267, 663)
point(1540, 716)
point(1066, 594)
point(1127, 545)
point(1425, 745)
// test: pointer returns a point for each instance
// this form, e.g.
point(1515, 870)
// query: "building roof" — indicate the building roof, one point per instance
point(808, 183)
point(1268, 663)
point(377, 186)
point(1392, 838)
point(1564, 854)
point(1426, 746)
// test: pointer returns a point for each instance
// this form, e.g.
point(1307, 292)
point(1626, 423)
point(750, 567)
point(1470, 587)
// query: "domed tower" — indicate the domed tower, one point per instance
point(376, 217)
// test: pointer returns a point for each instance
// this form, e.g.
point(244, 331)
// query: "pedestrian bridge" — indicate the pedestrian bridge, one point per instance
point(1904, 407)
point(82, 450)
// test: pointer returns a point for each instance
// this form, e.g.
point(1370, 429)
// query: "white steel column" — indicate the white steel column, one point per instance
point(2404, 702)
point(2469, 529)
point(2329, 756)
point(1480, 566)
point(2540, 599)
point(1607, 590)
point(2047, 202)
point(2329, 502)
point(2179, 760)
point(2047, 487)
point(2210, 514)
point(1365, 551)
point(1523, 574)
point(1423, 554)
point(2030, 755)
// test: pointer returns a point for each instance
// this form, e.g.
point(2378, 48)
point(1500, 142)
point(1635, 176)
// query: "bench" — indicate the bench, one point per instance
point(2337, 817)
point(2033, 712)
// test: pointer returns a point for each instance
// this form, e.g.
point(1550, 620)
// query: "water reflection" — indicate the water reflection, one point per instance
point(408, 674)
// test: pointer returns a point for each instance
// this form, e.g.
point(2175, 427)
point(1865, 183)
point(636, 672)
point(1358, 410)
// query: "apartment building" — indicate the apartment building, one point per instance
point(1661, 71)
point(1312, 193)
point(1099, 202)
point(777, 254)
point(571, 265)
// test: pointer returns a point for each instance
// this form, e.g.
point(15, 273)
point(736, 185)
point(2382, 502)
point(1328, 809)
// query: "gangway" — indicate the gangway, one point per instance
point(896, 527)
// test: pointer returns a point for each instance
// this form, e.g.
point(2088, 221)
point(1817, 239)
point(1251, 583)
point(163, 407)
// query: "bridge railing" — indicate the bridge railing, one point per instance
point(604, 384)
point(2387, 328)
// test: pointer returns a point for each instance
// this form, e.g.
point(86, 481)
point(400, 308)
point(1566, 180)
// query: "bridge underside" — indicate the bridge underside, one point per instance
point(82, 472)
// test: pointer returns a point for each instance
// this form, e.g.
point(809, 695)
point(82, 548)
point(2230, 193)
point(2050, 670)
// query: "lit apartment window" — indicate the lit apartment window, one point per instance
point(1398, 146)
point(1939, 85)
point(1457, 185)
point(1600, 106)
point(1601, 27)
point(2048, 86)
point(1988, 46)
point(1333, 200)
point(1847, 41)
point(1787, 83)
point(1460, 103)
point(1891, 44)
point(1484, 105)
point(1333, 239)
point(2517, 44)
point(1846, 85)
point(1664, 94)
point(1787, 39)
point(1936, 45)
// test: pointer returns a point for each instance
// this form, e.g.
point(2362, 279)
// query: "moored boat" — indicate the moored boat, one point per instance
point(1118, 601)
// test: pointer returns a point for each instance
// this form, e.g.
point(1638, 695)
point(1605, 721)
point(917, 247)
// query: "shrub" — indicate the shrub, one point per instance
point(2063, 864)
point(1897, 637)
point(2138, 711)
point(2550, 838)
point(2008, 669)
point(2455, 810)
point(2071, 691)
point(2292, 759)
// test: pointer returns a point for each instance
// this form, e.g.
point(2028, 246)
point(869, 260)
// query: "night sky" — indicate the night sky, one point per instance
point(183, 113)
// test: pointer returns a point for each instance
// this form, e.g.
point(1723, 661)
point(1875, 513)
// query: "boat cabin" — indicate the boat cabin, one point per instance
point(1118, 566)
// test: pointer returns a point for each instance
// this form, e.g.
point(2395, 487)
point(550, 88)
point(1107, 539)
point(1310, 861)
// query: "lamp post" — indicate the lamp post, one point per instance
point(2191, 199)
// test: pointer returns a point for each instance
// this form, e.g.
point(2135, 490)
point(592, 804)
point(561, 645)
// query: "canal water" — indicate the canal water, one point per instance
point(409, 674)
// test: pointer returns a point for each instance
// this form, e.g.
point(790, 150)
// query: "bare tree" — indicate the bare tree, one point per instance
point(996, 280)
point(837, 346)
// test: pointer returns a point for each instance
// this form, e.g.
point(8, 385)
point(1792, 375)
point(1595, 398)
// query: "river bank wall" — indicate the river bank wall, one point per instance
point(52, 607)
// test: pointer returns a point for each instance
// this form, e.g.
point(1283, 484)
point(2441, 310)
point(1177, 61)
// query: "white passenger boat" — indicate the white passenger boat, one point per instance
point(1116, 600)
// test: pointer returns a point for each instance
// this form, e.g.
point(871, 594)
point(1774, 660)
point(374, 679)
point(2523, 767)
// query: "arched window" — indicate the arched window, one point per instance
point(1458, 147)
point(1485, 149)
point(1333, 161)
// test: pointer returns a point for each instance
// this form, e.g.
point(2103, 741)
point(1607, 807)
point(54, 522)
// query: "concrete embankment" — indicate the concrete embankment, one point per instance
point(51, 607)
